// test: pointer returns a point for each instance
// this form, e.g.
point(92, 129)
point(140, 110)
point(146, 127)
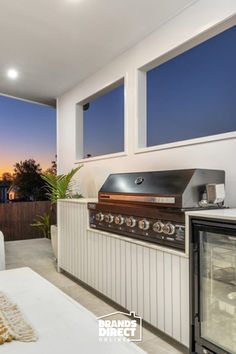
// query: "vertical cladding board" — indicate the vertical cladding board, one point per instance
point(73, 238)
point(149, 281)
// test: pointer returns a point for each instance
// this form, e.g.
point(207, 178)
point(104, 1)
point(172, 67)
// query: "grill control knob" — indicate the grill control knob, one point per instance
point(158, 227)
point(119, 220)
point(109, 218)
point(130, 221)
point(143, 224)
point(100, 217)
point(169, 229)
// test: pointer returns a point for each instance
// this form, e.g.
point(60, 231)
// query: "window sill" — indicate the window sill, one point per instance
point(207, 139)
point(102, 157)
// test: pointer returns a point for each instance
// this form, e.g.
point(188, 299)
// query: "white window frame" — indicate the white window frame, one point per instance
point(141, 103)
point(79, 122)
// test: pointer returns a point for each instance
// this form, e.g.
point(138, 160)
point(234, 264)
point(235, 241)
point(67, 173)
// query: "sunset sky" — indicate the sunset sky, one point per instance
point(27, 130)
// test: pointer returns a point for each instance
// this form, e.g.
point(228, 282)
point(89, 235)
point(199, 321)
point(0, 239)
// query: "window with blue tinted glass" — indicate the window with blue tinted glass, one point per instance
point(194, 94)
point(103, 124)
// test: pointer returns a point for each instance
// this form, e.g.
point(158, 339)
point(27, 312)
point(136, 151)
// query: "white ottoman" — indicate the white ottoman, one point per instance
point(2, 252)
point(62, 324)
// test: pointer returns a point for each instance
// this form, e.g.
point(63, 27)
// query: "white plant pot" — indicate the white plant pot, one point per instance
point(54, 240)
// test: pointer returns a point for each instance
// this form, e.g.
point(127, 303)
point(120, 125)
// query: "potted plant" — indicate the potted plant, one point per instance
point(42, 222)
point(59, 187)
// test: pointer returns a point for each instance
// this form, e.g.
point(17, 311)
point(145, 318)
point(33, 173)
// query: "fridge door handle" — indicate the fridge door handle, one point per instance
point(196, 280)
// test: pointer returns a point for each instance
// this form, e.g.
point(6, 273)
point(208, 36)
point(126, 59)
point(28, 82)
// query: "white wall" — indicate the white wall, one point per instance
point(218, 154)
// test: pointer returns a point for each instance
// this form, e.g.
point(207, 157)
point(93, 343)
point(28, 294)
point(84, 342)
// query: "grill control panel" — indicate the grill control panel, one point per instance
point(160, 231)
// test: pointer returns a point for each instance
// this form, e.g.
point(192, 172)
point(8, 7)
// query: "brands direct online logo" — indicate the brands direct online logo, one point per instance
point(120, 326)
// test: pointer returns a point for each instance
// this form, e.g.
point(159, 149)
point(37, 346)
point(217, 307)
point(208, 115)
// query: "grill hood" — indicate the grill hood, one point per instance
point(173, 188)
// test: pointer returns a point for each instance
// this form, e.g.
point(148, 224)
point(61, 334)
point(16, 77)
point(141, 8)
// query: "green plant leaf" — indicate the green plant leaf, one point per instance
point(59, 187)
point(42, 222)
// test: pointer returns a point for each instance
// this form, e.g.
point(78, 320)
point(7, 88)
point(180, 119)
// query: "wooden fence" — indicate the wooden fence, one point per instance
point(15, 219)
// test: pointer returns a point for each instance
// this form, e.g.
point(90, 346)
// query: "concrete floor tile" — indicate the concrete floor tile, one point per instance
point(158, 346)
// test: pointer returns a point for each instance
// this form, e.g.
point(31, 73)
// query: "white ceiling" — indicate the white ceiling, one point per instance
point(56, 43)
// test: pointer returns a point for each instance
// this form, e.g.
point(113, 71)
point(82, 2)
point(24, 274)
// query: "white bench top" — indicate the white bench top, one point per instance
point(63, 326)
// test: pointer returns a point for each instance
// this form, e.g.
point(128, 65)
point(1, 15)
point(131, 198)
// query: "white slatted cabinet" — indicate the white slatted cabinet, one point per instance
point(149, 280)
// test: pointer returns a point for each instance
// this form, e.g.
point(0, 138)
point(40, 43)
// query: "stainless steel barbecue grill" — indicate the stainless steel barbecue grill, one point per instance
point(150, 206)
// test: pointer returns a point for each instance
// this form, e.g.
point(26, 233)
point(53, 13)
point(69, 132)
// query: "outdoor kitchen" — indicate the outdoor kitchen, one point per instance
point(133, 243)
point(123, 239)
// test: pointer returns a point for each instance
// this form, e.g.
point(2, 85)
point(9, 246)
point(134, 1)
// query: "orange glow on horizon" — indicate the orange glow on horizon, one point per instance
point(5, 168)
point(28, 131)
point(8, 167)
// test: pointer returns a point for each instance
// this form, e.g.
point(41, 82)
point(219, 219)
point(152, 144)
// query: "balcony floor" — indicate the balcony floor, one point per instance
point(37, 254)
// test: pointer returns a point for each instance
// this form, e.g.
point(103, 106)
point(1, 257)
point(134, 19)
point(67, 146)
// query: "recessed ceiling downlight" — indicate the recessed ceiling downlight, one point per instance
point(74, 1)
point(12, 73)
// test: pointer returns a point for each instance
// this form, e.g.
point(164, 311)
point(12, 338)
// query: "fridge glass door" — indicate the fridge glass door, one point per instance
point(217, 283)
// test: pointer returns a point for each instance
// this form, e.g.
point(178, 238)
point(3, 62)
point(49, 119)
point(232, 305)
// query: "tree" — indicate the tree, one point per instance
point(53, 169)
point(27, 177)
point(7, 177)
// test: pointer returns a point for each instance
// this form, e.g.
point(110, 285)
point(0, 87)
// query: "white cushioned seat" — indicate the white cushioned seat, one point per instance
point(2, 252)
point(63, 326)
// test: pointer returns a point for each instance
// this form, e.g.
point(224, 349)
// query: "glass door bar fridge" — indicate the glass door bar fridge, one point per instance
point(212, 286)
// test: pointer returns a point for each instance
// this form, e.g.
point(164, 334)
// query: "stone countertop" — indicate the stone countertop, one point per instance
point(224, 214)
point(79, 200)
